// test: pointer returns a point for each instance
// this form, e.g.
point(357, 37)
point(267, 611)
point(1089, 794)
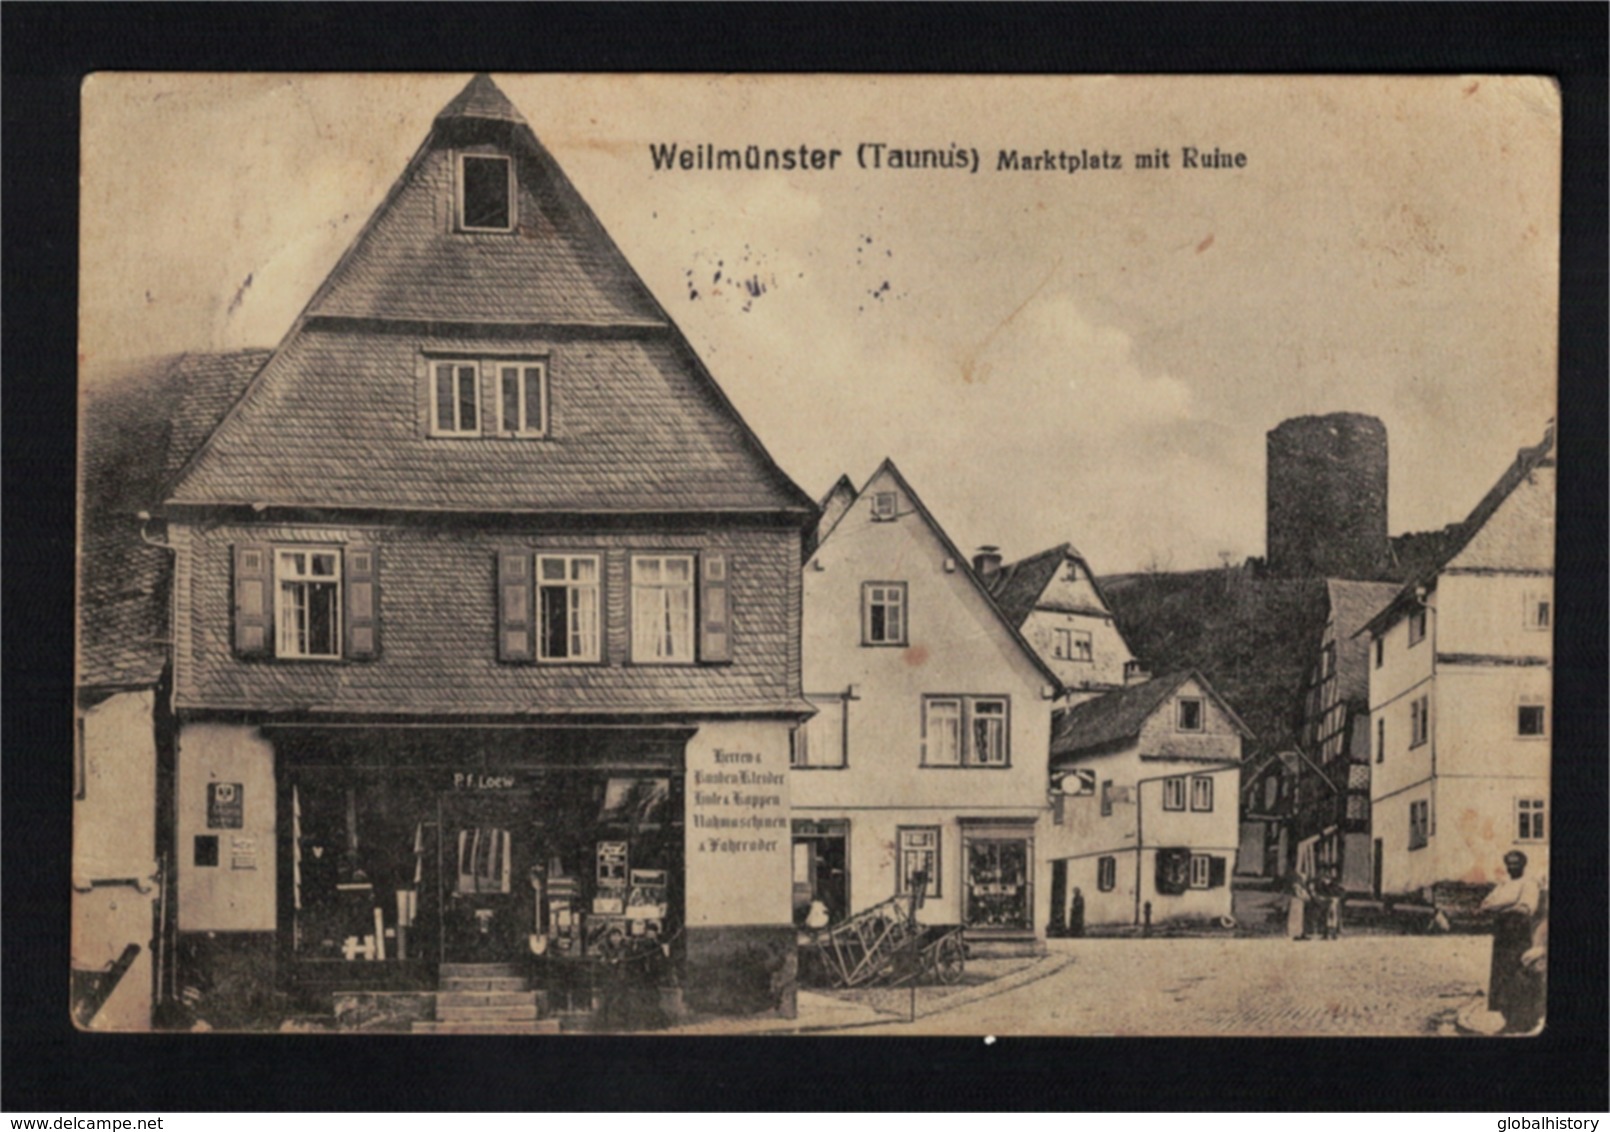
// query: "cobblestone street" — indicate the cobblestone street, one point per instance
point(1355, 986)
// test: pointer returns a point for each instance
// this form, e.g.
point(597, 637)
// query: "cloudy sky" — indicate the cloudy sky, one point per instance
point(1092, 355)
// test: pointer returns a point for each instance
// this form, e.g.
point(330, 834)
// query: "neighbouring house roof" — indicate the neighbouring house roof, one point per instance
point(1352, 604)
point(1117, 717)
point(832, 507)
point(1527, 461)
point(135, 428)
point(1017, 587)
point(336, 417)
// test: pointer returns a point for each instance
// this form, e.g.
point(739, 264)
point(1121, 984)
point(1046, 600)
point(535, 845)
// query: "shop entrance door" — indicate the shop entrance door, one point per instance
point(488, 905)
point(998, 894)
point(821, 872)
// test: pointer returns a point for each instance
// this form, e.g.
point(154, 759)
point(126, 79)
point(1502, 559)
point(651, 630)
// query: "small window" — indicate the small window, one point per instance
point(662, 609)
point(485, 196)
point(1106, 798)
point(885, 505)
point(1530, 816)
point(883, 613)
point(523, 404)
point(1071, 644)
point(965, 731)
point(1173, 793)
point(942, 732)
point(918, 850)
point(1380, 651)
point(1201, 870)
point(1417, 626)
point(988, 746)
point(1380, 740)
point(1531, 719)
point(1106, 873)
point(1419, 824)
point(1190, 714)
point(1539, 611)
point(309, 582)
point(567, 607)
point(1202, 793)
point(1419, 721)
point(455, 399)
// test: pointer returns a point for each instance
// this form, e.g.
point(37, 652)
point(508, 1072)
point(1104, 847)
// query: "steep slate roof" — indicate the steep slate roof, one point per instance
point(1352, 604)
point(134, 431)
point(1527, 461)
point(1017, 587)
point(1117, 717)
point(336, 419)
point(831, 508)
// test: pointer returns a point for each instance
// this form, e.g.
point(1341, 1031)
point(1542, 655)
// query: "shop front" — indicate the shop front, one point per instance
point(402, 851)
point(998, 863)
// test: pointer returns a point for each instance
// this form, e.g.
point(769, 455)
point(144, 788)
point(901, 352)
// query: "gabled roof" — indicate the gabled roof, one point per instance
point(1116, 718)
point(1018, 586)
point(135, 429)
point(335, 418)
point(963, 567)
point(1527, 461)
point(832, 507)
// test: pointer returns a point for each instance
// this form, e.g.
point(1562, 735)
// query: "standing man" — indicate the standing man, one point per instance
point(1513, 905)
point(1076, 915)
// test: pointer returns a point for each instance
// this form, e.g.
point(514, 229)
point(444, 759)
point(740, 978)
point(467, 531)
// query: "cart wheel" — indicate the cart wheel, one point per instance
point(951, 960)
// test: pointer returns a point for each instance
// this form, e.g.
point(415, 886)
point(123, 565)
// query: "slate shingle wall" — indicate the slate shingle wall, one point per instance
point(338, 419)
point(438, 643)
point(414, 265)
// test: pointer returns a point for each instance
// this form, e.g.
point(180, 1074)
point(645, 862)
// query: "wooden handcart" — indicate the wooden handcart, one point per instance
point(885, 943)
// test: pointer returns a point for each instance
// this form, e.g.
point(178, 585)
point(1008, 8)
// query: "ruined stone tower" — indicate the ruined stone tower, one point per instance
point(1327, 497)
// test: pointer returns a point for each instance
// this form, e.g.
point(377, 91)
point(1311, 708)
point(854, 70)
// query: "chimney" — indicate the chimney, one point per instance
point(1135, 674)
point(987, 562)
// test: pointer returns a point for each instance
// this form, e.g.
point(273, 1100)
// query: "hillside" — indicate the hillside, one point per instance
point(1251, 637)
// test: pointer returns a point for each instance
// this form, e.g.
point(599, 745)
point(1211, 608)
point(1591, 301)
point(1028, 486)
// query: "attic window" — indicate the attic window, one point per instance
point(1190, 714)
point(885, 505)
point(485, 194)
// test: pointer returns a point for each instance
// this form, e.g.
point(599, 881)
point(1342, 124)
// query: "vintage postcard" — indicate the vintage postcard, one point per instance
point(801, 554)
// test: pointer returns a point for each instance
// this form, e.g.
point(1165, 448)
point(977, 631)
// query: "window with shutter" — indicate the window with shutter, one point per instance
point(307, 598)
point(514, 606)
point(715, 609)
point(1173, 871)
point(363, 602)
point(254, 602)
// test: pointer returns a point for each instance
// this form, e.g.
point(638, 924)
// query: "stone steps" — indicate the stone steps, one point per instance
point(516, 1012)
point(487, 998)
point(527, 1026)
point(464, 984)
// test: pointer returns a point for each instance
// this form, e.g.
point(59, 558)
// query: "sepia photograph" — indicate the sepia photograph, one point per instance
point(881, 555)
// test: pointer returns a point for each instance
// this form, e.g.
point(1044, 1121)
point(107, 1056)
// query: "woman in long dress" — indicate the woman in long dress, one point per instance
point(1513, 906)
point(1297, 908)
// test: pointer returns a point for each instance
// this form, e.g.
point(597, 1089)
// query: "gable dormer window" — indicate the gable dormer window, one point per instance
point(485, 193)
point(455, 398)
point(885, 505)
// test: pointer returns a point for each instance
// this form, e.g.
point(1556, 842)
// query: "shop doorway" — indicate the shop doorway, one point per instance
point(821, 869)
point(487, 853)
point(1059, 899)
